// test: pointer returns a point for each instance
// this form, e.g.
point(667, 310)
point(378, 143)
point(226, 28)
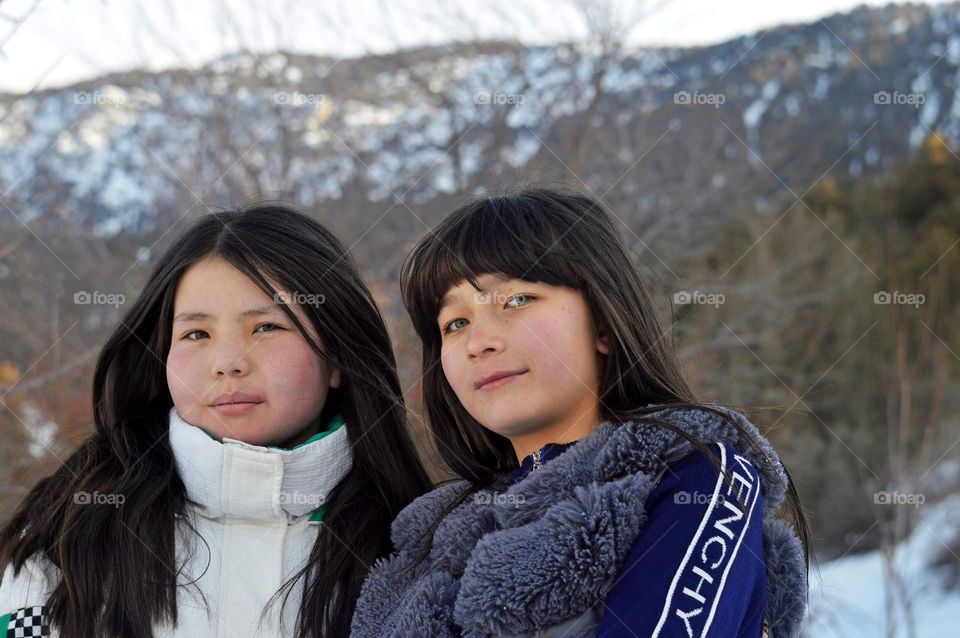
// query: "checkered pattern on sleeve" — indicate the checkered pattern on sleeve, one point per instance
point(28, 622)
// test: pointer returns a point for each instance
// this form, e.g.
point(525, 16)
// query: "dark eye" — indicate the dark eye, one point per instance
point(271, 326)
point(189, 336)
point(448, 328)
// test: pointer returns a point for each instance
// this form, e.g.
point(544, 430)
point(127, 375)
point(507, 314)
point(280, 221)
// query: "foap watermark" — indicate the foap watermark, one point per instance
point(691, 498)
point(897, 298)
point(97, 298)
point(697, 98)
point(296, 498)
point(696, 297)
point(683, 497)
point(897, 98)
point(299, 298)
point(296, 98)
point(496, 98)
point(898, 498)
point(96, 498)
point(100, 98)
point(497, 298)
point(486, 498)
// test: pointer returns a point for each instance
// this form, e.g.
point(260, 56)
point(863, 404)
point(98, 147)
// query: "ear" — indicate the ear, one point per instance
point(603, 343)
point(335, 378)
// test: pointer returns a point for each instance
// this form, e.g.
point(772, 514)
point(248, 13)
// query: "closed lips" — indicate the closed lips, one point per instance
point(483, 380)
point(237, 397)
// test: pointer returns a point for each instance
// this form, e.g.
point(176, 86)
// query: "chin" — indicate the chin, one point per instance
point(508, 427)
point(235, 431)
point(258, 440)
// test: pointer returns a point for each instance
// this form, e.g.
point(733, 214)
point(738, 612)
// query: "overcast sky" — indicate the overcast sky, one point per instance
point(62, 41)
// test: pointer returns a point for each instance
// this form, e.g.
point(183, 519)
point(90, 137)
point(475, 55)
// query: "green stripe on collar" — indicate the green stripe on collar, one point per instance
point(332, 427)
point(318, 514)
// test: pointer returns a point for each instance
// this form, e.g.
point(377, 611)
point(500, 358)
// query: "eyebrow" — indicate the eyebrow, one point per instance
point(452, 298)
point(448, 300)
point(203, 316)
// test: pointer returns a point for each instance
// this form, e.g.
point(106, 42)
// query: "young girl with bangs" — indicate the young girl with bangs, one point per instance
point(249, 450)
point(598, 496)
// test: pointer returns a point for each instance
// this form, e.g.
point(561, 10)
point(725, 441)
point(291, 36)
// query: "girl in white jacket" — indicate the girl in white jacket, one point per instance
point(248, 456)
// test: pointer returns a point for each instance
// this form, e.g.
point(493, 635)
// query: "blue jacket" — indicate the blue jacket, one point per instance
point(602, 538)
point(659, 577)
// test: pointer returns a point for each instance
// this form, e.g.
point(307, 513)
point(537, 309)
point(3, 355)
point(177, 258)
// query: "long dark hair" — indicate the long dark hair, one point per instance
point(118, 564)
point(563, 239)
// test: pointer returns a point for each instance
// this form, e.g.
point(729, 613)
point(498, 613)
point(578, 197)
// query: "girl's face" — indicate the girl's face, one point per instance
point(543, 338)
point(238, 367)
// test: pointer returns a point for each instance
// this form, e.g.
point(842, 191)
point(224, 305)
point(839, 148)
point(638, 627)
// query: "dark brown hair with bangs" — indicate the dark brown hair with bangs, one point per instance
point(562, 239)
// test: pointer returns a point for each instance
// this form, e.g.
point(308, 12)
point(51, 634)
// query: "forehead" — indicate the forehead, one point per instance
point(484, 281)
point(213, 288)
point(214, 276)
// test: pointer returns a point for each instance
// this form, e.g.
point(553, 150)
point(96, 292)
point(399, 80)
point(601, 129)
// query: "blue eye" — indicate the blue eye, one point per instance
point(447, 328)
point(521, 296)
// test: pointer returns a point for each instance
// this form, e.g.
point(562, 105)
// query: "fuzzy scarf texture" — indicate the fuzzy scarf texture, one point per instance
point(518, 559)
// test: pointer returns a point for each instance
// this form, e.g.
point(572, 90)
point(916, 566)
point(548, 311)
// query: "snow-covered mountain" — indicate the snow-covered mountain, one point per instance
point(749, 123)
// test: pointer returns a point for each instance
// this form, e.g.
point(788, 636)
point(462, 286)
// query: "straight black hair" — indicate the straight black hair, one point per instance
point(113, 583)
point(561, 239)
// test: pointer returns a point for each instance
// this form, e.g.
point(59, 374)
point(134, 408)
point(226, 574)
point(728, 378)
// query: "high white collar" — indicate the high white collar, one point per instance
point(236, 479)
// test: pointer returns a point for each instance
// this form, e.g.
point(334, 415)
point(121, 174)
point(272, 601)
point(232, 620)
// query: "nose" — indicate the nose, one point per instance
point(483, 339)
point(232, 361)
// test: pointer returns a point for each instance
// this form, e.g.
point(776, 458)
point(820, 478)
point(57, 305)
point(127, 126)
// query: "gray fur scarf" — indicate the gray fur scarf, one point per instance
point(518, 559)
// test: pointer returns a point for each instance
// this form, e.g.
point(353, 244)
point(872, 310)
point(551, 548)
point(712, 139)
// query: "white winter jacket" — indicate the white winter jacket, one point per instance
point(258, 510)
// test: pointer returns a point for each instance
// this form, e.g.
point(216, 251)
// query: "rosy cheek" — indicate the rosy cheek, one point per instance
point(179, 366)
point(545, 342)
point(293, 366)
point(182, 381)
point(451, 370)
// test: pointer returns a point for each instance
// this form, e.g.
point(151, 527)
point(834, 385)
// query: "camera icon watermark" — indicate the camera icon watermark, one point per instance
point(682, 497)
point(296, 498)
point(299, 298)
point(100, 98)
point(897, 298)
point(486, 498)
point(497, 98)
point(97, 298)
point(898, 498)
point(494, 297)
point(896, 98)
point(96, 498)
point(686, 98)
point(696, 297)
point(296, 98)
